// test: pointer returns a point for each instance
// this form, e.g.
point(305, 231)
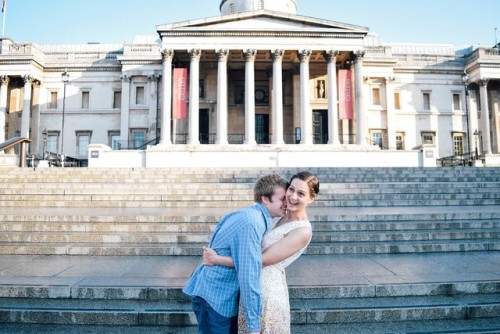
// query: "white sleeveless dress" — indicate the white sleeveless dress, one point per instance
point(274, 290)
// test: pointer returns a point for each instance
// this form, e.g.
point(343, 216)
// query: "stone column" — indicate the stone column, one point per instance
point(222, 56)
point(166, 131)
point(305, 99)
point(125, 111)
point(277, 56)
point(333, 106)
point(153, 106)
point(25, 120)
point(391, 121)
point(485, 115)
point(194, 97)
point(4, 91)
point(250, 96)
point(359, 99)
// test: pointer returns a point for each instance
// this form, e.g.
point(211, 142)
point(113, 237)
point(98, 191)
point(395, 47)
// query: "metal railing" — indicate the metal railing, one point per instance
point(465, 159)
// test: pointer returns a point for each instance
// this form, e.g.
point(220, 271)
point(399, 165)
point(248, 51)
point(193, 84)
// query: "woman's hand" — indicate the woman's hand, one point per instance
point(209, 256)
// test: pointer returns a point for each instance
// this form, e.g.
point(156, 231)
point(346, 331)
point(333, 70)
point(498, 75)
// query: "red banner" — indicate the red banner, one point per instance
point(345, 94)
point(179, 93)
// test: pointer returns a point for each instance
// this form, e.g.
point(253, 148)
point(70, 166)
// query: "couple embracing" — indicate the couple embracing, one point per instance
point(249, 251)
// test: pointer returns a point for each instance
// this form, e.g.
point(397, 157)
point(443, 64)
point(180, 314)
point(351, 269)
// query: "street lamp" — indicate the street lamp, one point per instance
point(476, 136)
point(65, 79)
point(465, 79)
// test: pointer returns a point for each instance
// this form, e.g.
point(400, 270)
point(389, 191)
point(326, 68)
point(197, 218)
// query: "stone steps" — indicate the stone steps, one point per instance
point(304, 311)
point(471, 229)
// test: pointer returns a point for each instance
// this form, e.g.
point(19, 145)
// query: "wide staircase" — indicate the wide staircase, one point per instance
point(401, 217)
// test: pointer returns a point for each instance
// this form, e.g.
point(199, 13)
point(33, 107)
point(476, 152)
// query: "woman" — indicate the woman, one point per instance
point(281, 245)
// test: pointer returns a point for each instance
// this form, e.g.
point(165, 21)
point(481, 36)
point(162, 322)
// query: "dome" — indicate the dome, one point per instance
point(239, 6)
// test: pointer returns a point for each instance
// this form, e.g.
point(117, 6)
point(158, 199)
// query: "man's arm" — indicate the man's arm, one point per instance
point(246, 251)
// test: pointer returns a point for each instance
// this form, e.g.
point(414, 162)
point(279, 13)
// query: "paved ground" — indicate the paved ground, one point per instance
point(322, 270)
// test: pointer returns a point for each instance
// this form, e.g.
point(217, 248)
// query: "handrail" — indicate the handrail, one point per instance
point(14, 141)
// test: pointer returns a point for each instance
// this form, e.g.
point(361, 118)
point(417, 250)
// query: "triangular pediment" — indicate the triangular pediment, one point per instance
point(262, 21)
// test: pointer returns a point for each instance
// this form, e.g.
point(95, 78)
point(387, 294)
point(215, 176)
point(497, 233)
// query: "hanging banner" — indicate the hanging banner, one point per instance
point(179, 93)
point(345, 94)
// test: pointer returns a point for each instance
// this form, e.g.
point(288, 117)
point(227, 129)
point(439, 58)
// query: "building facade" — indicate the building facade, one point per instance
point(259, 77)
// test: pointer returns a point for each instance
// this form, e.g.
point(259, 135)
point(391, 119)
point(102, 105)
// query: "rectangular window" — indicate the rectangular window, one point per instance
point(456, 102)
point(85, 100)
point(52, 142)
point(376, 96)
point(82, 143)
point(138, 139)
point(397, 100)
point(117, 100)
point(139, 95)
point(428, 138)
point(377, 138)
point(53, 100)
point(427, 101)
point(458, 143)
point(400, 141)
point(114, 140)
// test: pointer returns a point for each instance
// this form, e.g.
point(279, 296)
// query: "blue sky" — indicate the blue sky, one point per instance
point(457, 22)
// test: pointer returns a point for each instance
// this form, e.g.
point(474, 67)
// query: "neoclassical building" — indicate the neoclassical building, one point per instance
point(258, 79)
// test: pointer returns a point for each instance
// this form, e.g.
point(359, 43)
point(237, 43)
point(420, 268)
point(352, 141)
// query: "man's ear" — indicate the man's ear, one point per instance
point(265, 200)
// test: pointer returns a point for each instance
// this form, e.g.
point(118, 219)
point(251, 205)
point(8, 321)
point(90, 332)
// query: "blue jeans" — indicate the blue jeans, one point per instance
point(209, 321)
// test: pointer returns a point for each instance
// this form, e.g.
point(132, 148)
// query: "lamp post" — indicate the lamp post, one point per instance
point(65, 79)
point(465, 79)
point(476, 136)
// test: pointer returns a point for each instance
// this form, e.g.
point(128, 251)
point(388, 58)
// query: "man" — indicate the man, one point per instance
point(214, 289)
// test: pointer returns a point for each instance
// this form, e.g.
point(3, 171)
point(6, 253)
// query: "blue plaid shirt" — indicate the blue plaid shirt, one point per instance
point(239, 235)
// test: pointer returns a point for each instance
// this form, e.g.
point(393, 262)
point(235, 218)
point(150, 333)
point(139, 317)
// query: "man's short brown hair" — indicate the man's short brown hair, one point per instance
point(266, 185)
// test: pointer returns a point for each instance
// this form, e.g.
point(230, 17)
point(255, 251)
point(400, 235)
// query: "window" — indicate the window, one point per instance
point(85, 99)
point(376, 96)
point(53, 100)
point(52, 142)
point(139, 95)
point(400, 141)
point(427, 100)
point(397, 100)
point(231, 8)
point(117, 100)
point(456, 101)
point(377, 138)
point(321, 89)
point(428, 138)
point(458, 143)
point(114, 140)
point(82, 143)
point(138, 139)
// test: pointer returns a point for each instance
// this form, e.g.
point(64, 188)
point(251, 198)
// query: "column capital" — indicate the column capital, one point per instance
point(483, 82)
point(305, 55)
point(4, 80)
point(250, 54)
point(222, 54)
point(358, 55)
point(277, 54)
point(331, 55)
point(27, 78)
point(195, 54)
point(390, 79)
point(167, 54)
point(126, 78)
point(153, 77)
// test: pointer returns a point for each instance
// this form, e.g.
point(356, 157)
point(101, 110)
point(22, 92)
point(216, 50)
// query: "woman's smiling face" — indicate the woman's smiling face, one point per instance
point(298, 195)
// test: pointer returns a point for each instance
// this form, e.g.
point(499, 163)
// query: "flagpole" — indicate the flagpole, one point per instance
point(4, 12)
